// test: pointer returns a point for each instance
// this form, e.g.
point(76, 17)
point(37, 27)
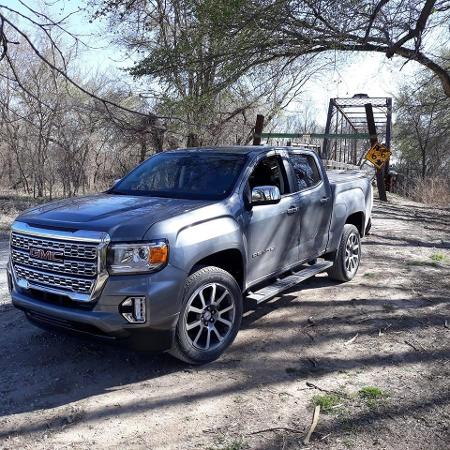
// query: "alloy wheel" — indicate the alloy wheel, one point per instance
point(352, 254)
point(209, 316)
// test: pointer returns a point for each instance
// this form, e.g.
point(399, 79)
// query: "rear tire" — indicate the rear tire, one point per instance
point(348, 255)
point(210, 316)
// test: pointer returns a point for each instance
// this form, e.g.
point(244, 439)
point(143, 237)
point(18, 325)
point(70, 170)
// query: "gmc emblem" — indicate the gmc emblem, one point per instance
point(47, 255)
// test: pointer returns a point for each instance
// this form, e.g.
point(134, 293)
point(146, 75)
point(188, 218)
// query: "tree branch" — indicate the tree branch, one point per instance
point(417, 31)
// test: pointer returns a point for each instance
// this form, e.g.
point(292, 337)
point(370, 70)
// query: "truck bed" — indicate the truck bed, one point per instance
point(345, 176)
point(343, 180)
point(350, 188)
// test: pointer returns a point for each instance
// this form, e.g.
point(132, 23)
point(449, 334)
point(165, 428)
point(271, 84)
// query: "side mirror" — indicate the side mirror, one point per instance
point(115, 182)
point(265, 195)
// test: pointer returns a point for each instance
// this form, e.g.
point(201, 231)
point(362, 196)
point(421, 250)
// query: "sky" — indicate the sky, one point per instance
point(368, 73)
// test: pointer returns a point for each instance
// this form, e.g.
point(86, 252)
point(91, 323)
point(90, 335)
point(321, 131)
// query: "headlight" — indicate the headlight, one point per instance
point(138, 258)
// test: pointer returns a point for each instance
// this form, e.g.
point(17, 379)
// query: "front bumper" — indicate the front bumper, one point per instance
point(101, 319)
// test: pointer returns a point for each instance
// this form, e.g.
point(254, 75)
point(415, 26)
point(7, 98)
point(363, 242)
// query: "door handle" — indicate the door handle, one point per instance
point(292, 210)
point(324, 200)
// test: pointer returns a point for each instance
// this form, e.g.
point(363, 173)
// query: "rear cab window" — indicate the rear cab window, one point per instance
point(307, 174)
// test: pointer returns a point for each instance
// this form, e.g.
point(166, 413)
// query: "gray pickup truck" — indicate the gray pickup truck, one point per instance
point(170, 256)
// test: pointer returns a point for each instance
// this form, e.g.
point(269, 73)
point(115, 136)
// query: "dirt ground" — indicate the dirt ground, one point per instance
point(374, 353)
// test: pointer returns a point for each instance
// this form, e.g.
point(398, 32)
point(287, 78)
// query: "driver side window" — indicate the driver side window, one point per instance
point(269, 172)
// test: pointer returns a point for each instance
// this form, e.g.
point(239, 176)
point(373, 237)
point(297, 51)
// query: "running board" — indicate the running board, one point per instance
point(283, 284)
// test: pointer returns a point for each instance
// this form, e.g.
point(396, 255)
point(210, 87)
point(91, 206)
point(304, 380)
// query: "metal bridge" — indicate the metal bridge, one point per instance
point(346, 138)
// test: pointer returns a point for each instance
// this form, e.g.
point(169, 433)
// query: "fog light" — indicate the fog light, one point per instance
point(133, 309)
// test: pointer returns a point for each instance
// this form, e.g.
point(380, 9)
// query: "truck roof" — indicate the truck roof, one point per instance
point(238, 149)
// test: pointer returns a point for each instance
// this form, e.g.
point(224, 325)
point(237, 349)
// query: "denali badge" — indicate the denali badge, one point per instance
point(261, 252)
point(47, 255)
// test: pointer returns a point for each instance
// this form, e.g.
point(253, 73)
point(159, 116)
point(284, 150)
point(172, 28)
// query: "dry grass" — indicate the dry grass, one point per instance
point(431, 191)
point(12, 204)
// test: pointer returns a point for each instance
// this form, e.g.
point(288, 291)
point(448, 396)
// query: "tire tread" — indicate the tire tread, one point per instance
point(337, 271)
point(199, 272)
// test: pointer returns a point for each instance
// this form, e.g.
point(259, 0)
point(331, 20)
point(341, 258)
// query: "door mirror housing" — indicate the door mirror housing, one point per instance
point(265, 195)
point(115, 182)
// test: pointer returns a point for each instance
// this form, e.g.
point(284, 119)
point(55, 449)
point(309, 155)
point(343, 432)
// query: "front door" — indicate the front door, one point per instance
point(314, 201)
point(272, 230)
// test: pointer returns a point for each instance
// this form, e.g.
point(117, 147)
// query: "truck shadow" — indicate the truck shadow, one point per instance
point(43, 371)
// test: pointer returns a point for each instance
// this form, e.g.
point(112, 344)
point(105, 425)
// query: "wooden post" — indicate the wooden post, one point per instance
point(259, 125)
point(388, 131)
point(373, 140)
point(325, 153)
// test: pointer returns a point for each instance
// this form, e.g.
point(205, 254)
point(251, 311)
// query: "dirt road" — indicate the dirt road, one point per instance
point(379, 345)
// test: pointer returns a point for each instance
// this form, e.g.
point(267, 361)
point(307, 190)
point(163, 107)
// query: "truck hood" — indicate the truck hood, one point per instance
point(124, 217)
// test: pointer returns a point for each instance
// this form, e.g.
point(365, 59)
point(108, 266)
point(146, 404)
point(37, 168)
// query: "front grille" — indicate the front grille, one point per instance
point(70, 283)
point(77, 273)
point(88, 269)
point(70, 249)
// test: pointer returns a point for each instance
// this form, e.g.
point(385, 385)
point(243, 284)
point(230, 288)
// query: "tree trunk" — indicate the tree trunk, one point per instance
point(158, 139)
point(192, 140)
point(143, 151)
point(424, 164)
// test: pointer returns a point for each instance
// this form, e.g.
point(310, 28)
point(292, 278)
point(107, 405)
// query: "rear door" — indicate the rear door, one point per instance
point(314, 200)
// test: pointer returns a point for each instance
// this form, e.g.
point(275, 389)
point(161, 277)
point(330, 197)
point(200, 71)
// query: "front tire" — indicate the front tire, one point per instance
point(348, 255)
point(210, 316)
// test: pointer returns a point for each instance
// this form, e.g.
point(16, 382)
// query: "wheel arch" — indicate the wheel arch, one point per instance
point(358, 219)
point(231, 260)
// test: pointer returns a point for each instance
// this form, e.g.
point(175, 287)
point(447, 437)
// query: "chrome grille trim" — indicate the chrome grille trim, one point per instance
point(87, 269)
point(80, 277)
point(78, 235)
point(70, 249)
point(52, 280)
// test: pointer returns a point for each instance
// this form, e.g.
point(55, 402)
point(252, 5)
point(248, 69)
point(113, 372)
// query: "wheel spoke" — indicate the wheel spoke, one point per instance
point(202, 299)
point(198, 336)
point(195, 310)
point(192, 325)
point(208, 339)
point(219, 336)
point(223, 311)
point(226, 322)
point(213, 294)
point(217, 302)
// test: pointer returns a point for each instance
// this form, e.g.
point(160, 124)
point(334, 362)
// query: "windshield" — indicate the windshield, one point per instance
point(209, 176)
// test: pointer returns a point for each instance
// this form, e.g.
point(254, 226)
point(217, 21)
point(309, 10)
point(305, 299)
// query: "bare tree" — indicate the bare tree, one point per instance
point(15, 26)
point(423, 128)
point(57, 140)
point(178, 43)
point(253, 33)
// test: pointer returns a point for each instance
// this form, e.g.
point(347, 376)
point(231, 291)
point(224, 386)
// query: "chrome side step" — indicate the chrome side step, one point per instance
point(283, 284)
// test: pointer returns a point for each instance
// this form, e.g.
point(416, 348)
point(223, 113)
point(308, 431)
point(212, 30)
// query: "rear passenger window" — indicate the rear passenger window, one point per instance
point(306, 171)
